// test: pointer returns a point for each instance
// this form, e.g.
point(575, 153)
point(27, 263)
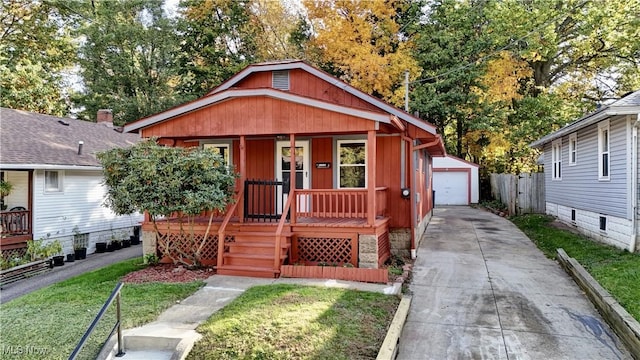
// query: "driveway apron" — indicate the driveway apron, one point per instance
point(482, 290)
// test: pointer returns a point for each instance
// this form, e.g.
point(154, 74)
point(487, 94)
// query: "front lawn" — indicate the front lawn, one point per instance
point(297, 322)
point(616, 270)
point(48, 323)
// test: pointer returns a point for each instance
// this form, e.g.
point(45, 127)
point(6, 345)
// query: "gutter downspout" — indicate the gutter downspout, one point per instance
point(634, 184)
point(412, 195)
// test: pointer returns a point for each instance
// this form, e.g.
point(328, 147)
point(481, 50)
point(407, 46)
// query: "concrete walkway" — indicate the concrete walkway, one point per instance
point(482, 290)
point(67, 271)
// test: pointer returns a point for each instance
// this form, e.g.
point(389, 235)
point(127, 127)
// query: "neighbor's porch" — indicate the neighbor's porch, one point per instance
point(16, 220)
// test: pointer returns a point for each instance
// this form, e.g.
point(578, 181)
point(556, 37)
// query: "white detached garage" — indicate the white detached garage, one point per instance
point(455, 181)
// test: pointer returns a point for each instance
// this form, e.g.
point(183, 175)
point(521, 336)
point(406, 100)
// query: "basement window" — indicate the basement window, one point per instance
point(603, 223)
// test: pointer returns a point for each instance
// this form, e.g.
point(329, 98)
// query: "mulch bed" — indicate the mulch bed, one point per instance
point(167, 273)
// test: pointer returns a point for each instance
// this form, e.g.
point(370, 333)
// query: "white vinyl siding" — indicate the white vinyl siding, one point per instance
point(81, 204)
point(556, 156)
point(580, 187)
point(604, 158)
point(573, 149)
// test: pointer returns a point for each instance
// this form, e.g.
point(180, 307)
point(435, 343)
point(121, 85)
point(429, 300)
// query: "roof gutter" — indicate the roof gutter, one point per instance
point(47, 167)
point(586, 121)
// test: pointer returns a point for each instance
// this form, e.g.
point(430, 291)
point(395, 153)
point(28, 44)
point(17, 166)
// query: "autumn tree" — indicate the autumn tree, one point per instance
point(363, 43)
point(35, 51)
point(579, 49)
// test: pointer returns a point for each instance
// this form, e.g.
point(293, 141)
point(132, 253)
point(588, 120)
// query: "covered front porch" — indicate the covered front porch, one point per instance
point(277, 218)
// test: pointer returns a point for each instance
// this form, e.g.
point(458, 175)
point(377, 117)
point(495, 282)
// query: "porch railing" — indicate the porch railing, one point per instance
point(338, 203)
point(264, 199)
point(16, 222)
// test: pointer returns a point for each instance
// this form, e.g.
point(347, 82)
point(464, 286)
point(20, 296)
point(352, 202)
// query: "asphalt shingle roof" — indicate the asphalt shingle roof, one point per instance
point(31, 138)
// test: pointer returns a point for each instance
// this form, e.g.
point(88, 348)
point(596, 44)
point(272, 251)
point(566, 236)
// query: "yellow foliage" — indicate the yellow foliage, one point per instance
point(503, 77)
point(360, 38)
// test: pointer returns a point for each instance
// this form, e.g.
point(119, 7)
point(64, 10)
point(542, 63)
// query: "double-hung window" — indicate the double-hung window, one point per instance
point(556, 159)
point(604, 139)
point(573, 149)
point(352, 164)
point(52, 181)
point(222, 149)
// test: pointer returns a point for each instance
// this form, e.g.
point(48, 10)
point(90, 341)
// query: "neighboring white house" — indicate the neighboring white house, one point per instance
point(455, 181)
point(57, 180)
point(591, 173)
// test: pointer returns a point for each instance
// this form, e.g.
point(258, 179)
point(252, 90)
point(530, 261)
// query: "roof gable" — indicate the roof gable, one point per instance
point(253, 77)
point(333, 81)
point(34, 139)
point(627, 105)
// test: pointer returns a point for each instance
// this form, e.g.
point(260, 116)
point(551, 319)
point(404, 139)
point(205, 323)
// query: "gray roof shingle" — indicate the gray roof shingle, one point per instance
point(28, 138)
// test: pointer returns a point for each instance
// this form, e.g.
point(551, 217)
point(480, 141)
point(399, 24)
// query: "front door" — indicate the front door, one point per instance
point(284, 169)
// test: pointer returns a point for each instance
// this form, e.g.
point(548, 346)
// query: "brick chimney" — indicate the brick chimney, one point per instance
point(105, 117)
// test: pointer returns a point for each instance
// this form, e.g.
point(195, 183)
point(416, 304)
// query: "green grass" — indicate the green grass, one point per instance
point(48, 323)
point(616, 270)
point(297, 322)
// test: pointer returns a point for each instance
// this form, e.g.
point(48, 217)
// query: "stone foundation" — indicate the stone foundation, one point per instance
point(149, 245)
point(400, 240)
point(367, 251)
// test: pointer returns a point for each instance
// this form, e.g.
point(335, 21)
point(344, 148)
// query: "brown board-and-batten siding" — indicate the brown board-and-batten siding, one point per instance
point(257, 116)
point(306, 84)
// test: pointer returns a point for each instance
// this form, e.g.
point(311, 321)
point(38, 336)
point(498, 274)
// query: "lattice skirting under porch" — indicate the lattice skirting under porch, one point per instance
point(13, 253)
point(180, 245)
point(325, 250)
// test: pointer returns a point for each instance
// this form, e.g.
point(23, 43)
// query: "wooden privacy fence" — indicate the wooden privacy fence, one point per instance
point(521, 194)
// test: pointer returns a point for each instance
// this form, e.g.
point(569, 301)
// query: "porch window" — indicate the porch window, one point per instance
point(603, 150)
point(573, 149)
point(352, 164)
point(222, 149)
point(556, 159)
point(52, 181)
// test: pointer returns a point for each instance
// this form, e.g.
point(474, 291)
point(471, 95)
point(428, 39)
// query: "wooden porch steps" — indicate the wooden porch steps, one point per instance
point(250, 271)
point(252, 253)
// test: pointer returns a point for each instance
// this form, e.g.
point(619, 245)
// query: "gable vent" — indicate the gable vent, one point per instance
point(281, 79)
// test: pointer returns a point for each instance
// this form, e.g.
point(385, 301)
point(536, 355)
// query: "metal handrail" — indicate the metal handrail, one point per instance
point(115, 295)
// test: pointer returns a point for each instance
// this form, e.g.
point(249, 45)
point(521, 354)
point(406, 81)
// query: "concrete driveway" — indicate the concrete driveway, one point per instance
point(482, 290)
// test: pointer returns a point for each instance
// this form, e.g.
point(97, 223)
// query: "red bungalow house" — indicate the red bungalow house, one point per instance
point(362, 186)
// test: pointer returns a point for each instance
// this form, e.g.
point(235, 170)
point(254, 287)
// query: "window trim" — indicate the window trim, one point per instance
point(556, 159)
point(602, 128)
point(225, 144)
point(340, 165)
point(60, 188)
point(573, 149)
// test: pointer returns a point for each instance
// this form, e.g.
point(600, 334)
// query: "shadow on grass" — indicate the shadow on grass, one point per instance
point(297, 322)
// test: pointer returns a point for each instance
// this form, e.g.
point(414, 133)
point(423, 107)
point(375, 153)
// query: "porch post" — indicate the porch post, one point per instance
point(292, 178)
point(30, 202)
point(243, 174)
point(371, 177)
